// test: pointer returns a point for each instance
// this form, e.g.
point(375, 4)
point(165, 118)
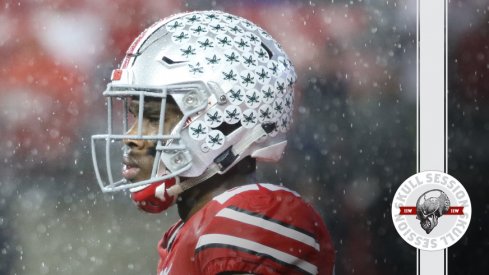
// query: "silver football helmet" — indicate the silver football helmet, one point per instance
point(232, 82)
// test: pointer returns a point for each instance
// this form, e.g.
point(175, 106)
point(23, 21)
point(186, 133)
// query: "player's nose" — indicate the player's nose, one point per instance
point(132, 140)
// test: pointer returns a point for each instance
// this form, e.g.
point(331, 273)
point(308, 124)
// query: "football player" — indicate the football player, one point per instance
point(200, 97)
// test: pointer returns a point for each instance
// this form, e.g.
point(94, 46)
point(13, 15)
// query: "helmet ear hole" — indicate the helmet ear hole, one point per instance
point(244, 166)
point(227, 128)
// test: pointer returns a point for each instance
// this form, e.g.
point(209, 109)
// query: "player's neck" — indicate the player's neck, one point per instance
point(195, 198)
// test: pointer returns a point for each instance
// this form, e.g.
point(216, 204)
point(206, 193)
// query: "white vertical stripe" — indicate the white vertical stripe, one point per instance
point(432, 86)
point(221, 239)
point(268, 225)
point(431, 108)
point(174, 235)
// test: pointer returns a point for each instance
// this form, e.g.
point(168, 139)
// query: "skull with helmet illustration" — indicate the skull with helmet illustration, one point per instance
point(430, 206)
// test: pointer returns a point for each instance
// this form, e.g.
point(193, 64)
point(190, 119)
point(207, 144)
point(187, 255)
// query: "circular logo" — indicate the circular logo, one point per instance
point(431, 210)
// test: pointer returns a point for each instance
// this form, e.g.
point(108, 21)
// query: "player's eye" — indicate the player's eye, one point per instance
point(154, 119)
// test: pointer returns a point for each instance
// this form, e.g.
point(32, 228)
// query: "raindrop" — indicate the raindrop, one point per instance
point(44, 268)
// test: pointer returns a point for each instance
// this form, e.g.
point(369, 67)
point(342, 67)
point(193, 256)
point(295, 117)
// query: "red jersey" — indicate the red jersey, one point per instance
point(256, 228)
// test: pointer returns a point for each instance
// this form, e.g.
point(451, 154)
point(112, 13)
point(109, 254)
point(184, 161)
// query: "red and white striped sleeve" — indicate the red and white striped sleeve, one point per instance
point(264, 230)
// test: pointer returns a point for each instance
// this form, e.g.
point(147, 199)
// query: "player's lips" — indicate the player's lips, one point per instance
point(129, 168)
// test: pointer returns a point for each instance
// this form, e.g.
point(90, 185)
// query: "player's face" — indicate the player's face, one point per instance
point(138, 160)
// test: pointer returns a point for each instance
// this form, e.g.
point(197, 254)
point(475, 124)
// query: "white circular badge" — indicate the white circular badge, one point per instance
point(431, 210)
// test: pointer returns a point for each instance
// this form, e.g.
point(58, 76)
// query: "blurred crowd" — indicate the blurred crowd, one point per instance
point(353, 139)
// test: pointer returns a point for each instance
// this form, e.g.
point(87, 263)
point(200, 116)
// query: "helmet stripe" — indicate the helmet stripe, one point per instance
point(139, 41)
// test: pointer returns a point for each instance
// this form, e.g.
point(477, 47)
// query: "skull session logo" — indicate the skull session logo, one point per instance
point(431, 210)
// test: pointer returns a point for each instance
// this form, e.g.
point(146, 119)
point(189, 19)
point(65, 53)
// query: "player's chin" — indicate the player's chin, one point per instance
point(141, 177)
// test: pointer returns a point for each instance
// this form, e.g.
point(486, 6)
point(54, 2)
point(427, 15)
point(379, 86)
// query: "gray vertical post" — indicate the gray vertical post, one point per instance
point(431, 109)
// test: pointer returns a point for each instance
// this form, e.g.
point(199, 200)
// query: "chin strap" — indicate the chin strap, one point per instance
point(225, 159)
